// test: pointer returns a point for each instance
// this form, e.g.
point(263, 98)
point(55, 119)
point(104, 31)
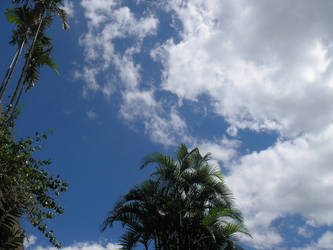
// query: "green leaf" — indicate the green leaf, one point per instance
point(12, 17)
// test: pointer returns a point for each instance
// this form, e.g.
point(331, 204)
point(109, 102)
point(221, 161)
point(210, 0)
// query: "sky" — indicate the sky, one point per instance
point(250, 81)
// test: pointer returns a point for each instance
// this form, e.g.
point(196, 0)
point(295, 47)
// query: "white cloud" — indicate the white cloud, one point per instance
point(98, 11)
point(89, 76)
point(129, 72)
point(107, 21)
point(163, 127)
point(110, 21)
point(108, 89)
point(222, 151)
point(260, 71)
point(291, 177)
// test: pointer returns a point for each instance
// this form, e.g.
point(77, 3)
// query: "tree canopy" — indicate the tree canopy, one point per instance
point(185, 205)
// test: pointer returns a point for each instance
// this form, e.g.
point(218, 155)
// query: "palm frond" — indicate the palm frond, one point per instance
point(130, 238)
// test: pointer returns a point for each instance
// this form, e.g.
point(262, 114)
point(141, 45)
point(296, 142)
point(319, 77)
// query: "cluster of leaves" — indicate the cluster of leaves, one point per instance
point(26, 189)
point(185, 205)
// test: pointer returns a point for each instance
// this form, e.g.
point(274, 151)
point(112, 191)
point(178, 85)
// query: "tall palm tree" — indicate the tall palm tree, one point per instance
point(40, 56)
point(31, 20)
point(22, 18)
point(188, 206)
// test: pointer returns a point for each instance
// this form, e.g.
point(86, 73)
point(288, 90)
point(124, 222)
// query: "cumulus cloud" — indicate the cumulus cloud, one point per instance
point(259, 70)
point(291, 177)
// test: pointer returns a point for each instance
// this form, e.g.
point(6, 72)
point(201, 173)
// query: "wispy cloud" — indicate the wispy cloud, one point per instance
point(31, 244)
point(305, 231)
point(91, 114)
point(107, 21)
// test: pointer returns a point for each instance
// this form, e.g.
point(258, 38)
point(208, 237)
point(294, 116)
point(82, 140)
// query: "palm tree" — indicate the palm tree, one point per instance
point(31, 20)
point(22, 18)
point(40, 56)
point(187, 206)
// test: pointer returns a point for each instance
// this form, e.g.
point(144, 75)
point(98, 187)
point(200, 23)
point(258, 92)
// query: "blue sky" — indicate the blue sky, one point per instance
point(249, 81)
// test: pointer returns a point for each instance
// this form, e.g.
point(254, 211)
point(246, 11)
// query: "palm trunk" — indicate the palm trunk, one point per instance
point(11, 69)
point(8, 71)
point(19, 97)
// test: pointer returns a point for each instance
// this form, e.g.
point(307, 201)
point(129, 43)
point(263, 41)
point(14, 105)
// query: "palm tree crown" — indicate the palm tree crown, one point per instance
point(185, 205)
point(31, 18)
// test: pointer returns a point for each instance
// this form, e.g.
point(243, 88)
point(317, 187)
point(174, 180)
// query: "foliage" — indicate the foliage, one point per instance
point(185, 205)
point(26, 189)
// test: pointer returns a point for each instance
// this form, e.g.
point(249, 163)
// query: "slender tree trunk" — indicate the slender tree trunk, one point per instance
point(11, 69)
point(8, 72)
point(19, 97)
point(17, 102)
